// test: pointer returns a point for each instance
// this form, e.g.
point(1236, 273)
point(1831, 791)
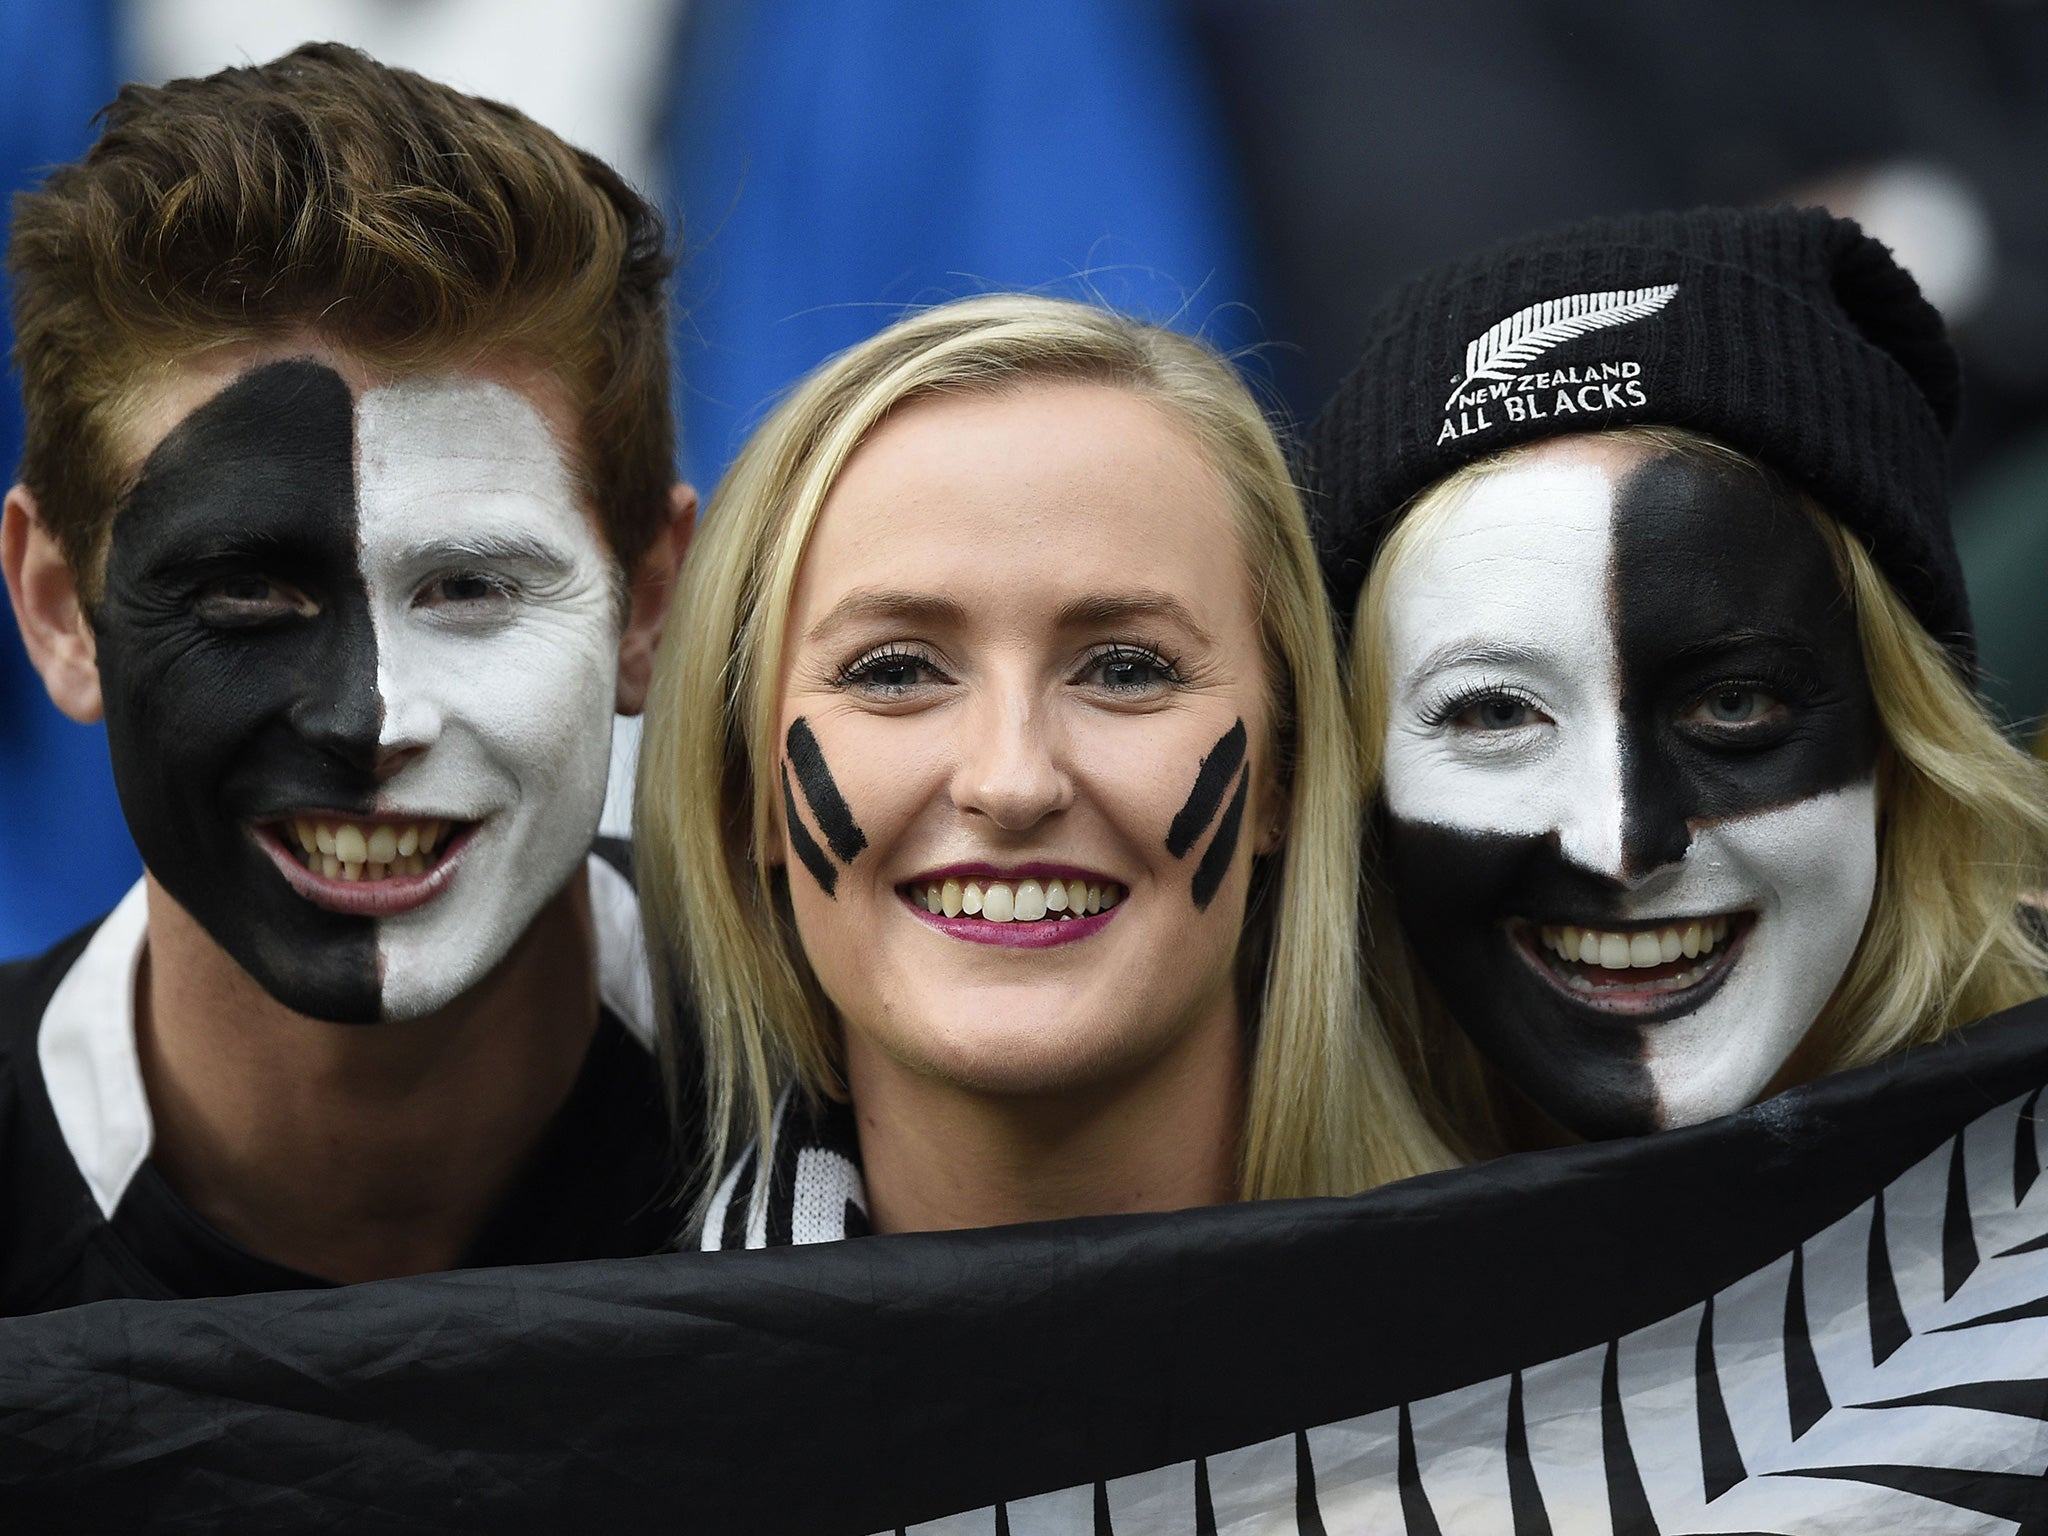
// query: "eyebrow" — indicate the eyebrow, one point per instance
point(926, 608)
point(1471, 653)
point(1738, 639)
point(492, 549)
point(864, 603)
point(1118, 608)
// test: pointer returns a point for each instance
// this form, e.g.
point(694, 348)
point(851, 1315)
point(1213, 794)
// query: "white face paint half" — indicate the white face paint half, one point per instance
point(1629, 720)
point(495, 609)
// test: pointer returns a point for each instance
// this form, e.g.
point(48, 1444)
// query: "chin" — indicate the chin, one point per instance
point(1010, 1052)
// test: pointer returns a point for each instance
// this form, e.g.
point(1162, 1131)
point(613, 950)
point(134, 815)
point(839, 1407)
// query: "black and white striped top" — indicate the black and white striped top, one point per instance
point(813, 1192)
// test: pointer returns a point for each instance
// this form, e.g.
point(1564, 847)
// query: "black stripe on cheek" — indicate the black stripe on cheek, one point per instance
point(808, 853)
point(1212, 779)
point(1222, 847)
point(835, 817)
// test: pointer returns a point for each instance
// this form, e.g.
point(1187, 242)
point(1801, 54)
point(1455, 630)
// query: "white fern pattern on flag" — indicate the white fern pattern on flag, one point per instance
point(1516, 342)
point(1890, 1374)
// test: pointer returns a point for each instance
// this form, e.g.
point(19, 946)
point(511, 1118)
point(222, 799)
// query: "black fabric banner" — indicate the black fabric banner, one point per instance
point(1828, 1313)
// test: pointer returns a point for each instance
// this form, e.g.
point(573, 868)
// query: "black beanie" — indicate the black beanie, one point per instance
point(1785, 333)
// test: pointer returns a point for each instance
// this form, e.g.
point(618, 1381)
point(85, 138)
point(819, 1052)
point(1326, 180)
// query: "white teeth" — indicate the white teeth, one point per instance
point(1636, 950)
point(998, 901)
point(342, 850)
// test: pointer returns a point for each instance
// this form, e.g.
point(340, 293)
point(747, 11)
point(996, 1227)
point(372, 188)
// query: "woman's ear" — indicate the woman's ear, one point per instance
point(654, 586)
point(55, 628)
point(1276, 801)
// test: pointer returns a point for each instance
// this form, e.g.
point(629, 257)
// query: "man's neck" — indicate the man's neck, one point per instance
point(936, 1156)
point(358, 1151)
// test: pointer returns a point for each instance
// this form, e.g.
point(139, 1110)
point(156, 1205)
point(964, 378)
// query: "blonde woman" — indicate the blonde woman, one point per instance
point(1660, 664)
point(997, 816)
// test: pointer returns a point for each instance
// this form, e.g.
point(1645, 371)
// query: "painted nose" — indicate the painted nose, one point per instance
point(1655, 833)
point(412, 724)
point(1622, 815)
point(1007, 769)
point(337, 712)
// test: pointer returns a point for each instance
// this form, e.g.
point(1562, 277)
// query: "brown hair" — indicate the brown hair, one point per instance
point(388, 214)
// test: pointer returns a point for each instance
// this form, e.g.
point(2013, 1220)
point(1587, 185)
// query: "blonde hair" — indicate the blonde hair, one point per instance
point(1327, 1109)
point(1962, 836)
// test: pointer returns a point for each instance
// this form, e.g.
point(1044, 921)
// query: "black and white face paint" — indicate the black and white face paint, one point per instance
point(1629, 780)
point(359, 657)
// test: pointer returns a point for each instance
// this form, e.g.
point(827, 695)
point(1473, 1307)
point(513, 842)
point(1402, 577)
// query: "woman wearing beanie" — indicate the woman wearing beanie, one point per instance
point(1661, 668)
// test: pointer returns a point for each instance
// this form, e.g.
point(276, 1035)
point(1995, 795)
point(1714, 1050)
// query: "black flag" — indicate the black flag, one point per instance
point(1829, 1312)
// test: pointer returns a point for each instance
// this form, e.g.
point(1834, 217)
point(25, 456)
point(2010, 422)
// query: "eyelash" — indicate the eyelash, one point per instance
point(856, 673)
point(1152, 656)
point(1446, 707)
point(860, 672)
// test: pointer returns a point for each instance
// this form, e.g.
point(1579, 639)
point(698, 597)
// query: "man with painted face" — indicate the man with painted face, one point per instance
point(347, 501)
point(1661, 667)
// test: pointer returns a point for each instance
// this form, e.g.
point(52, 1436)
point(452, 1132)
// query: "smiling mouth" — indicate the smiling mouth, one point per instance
point(1014, 901)
point(1020, 913)
point(1653, 970)
point(366, 866)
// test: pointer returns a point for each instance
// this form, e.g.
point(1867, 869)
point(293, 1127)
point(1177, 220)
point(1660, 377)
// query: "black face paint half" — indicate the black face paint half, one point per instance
point(1716, 578)
point(1718, 575)
point(220, 715)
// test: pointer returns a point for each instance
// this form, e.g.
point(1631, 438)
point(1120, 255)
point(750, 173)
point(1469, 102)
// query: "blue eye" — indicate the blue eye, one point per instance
point(1129, 670)
point(1496, 712)
point(1737, 706)
point(1737, 709)
point(1489, 709)
point(894, 672)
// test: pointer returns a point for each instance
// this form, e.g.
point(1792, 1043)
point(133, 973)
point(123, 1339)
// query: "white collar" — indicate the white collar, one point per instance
point(86, 1044)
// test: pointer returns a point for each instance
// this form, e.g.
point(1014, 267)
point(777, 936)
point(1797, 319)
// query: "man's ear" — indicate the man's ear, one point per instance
point(654, 584)
point(54, 626)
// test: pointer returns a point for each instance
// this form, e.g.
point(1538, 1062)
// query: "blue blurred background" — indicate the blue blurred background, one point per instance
point(1261, 171)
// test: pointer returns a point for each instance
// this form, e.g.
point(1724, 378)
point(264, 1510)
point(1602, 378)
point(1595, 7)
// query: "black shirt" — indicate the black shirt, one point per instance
point(86, 1216)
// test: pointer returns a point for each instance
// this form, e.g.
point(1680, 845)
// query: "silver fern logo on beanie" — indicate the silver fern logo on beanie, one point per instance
point(1497, 363)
